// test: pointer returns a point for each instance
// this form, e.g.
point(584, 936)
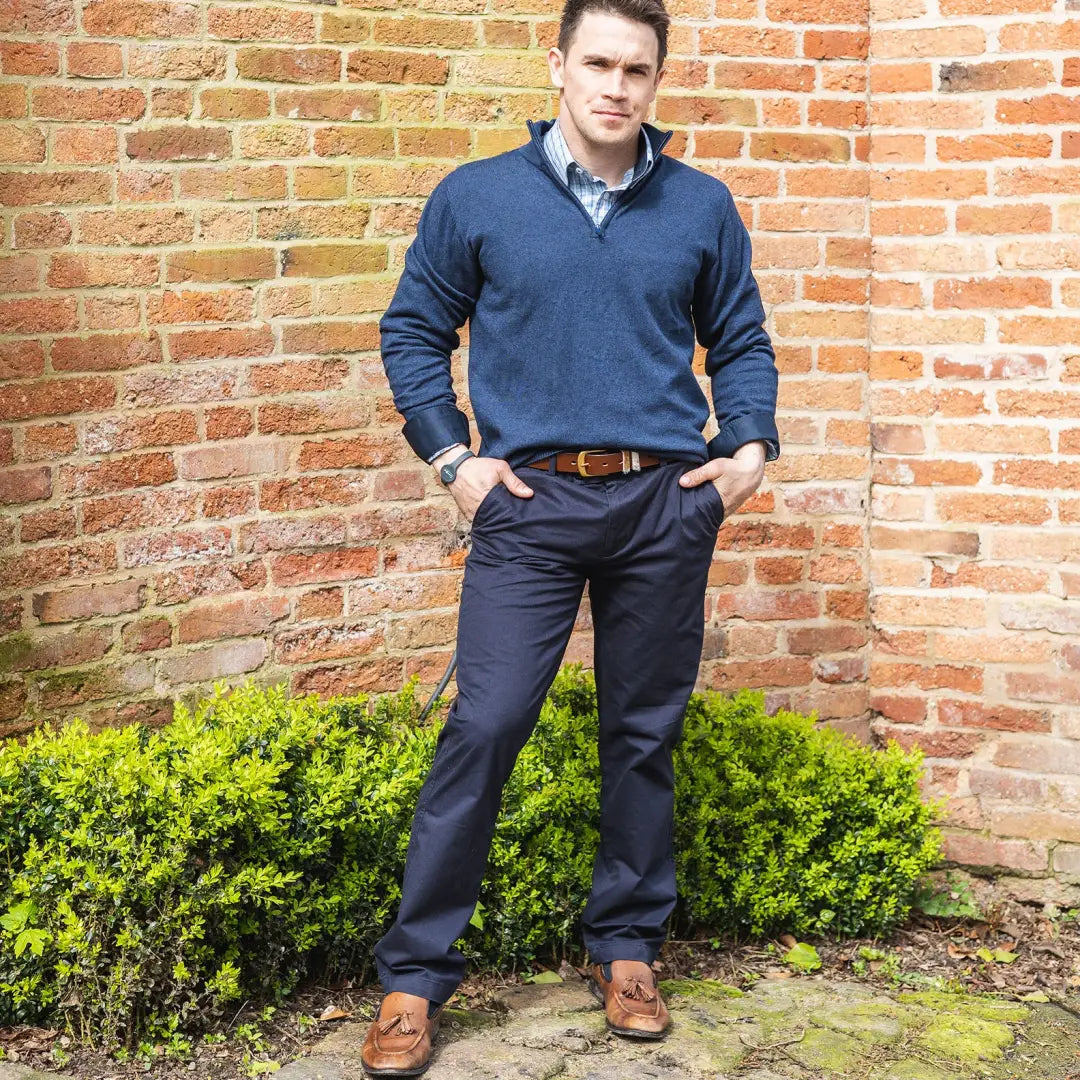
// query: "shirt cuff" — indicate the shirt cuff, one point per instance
point(744, 429)
point(433, 429)
point(431, 457)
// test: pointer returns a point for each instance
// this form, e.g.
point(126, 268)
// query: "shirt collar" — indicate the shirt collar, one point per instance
point(557, 148)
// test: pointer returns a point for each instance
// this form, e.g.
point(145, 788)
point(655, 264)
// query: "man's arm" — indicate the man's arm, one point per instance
point(739, 359)
point(436, 294)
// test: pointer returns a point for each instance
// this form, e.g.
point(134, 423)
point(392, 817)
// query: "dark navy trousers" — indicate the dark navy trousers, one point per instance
point(644, 544)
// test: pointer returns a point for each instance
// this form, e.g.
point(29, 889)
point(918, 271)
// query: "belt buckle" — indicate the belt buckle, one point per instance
point(581, 461)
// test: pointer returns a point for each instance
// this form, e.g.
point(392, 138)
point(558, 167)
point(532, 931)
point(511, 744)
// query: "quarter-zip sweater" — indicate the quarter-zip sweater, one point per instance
point(581, 335)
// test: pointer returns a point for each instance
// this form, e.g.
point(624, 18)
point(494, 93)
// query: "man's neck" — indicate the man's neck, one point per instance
point(608, 164)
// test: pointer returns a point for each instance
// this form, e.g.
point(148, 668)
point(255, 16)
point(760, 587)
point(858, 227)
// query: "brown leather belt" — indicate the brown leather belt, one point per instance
point(598, 462)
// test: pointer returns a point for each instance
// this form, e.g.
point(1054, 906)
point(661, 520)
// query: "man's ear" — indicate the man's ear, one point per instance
point(555, 66)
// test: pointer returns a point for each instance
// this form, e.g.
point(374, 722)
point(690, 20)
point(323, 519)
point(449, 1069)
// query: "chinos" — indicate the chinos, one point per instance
point(644, 545)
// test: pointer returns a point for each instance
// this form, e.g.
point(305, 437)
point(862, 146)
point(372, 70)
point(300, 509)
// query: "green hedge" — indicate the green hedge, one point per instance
point(154, 877)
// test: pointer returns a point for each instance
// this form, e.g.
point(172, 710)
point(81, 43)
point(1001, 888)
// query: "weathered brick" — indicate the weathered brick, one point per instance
point(56, 397)
point(242, 617)
point(104, 352)
point(291, 65)
point(341, 564)
point(179, 142)
point(234, 264)
point(88, 601)
point(106, 104)
point(129, 512)
point(214, 662)
point(67, 187)
point(29, 58)
point(94, 270)
point(162, 19)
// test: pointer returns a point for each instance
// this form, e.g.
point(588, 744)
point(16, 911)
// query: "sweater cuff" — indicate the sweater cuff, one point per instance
point(744, 429)
point(435, 428)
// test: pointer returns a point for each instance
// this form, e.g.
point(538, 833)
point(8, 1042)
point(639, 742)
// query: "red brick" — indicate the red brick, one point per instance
point(29, 58)
point(320, 566)
point(179, 142)
point(147, 635)
point(971, 849)
point(129, 512)
point(383, 675)
point(289, 65)
point(87, 601)
point(242, 617)
point(214, 662)
point(94, 59)
point(105, 104)
point(97, 270)
point(933, 742)
point(51, 523)
point(161, 19)
point(327, 643)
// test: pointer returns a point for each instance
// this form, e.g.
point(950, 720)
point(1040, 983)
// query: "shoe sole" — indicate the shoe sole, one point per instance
point(635, 1033)
point(404, 1072)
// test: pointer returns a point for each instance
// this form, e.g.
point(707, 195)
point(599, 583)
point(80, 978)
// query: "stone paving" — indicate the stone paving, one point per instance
point(793, 1029)
point(804, 1028)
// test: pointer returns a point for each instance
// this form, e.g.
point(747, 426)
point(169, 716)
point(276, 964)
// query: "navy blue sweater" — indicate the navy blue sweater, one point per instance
point(580, 335)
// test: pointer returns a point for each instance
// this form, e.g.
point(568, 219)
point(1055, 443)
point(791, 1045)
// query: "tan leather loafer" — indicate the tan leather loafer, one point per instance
point(398, 1043)
point(631, 999)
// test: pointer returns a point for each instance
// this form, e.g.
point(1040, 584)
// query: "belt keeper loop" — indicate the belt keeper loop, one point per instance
point(635, 460)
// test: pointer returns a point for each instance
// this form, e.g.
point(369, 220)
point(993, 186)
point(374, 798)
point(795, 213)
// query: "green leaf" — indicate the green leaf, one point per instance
point(803, 956)
point(18, 916)
point(476, 919)
point(544, 977)
point(36, 939)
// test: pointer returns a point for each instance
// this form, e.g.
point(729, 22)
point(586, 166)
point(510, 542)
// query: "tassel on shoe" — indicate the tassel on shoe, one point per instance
point(400, 1018)
point(633, 987)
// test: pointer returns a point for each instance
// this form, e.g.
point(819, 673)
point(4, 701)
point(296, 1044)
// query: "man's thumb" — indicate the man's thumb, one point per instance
point(514, 483)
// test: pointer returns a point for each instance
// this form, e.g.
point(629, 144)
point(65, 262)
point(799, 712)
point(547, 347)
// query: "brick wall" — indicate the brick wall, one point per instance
point(205, 209)
point(974, 550)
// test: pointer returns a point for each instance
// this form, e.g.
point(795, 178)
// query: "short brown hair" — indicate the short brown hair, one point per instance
point(650, 12)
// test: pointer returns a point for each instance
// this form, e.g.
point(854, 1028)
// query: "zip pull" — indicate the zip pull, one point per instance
point(599, 234)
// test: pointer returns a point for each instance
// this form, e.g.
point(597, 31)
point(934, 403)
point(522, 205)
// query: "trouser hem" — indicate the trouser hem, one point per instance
point(433, 990)
point(604, 954)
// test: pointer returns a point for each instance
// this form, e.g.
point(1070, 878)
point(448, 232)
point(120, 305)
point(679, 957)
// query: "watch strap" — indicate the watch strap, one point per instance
point(456, 462)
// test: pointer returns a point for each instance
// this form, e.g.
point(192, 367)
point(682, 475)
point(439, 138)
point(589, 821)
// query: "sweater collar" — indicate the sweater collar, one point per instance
point(534, 148)
point(558, 151)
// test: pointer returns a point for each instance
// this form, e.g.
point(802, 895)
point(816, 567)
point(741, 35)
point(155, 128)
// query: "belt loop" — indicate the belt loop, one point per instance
point(552, 461)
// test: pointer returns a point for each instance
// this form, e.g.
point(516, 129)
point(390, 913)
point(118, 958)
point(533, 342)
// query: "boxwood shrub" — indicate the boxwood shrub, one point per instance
point(151, 878)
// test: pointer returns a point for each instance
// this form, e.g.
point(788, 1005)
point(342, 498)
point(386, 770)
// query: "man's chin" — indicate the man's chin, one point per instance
point(610, 132)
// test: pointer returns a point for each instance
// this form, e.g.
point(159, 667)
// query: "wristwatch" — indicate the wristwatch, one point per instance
point(448, 472)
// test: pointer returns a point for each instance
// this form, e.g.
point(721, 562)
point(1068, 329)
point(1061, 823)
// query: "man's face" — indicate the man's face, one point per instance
point(608, 77)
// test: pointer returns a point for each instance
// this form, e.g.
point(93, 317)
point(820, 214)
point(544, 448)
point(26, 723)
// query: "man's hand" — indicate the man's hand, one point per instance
point(736, 478)
point(476, 476)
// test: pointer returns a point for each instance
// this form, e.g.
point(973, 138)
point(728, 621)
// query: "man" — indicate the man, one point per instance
point(586, 262)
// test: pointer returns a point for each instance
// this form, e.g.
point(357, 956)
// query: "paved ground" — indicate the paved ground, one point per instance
point(792, 1029)
point(803, 1028)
